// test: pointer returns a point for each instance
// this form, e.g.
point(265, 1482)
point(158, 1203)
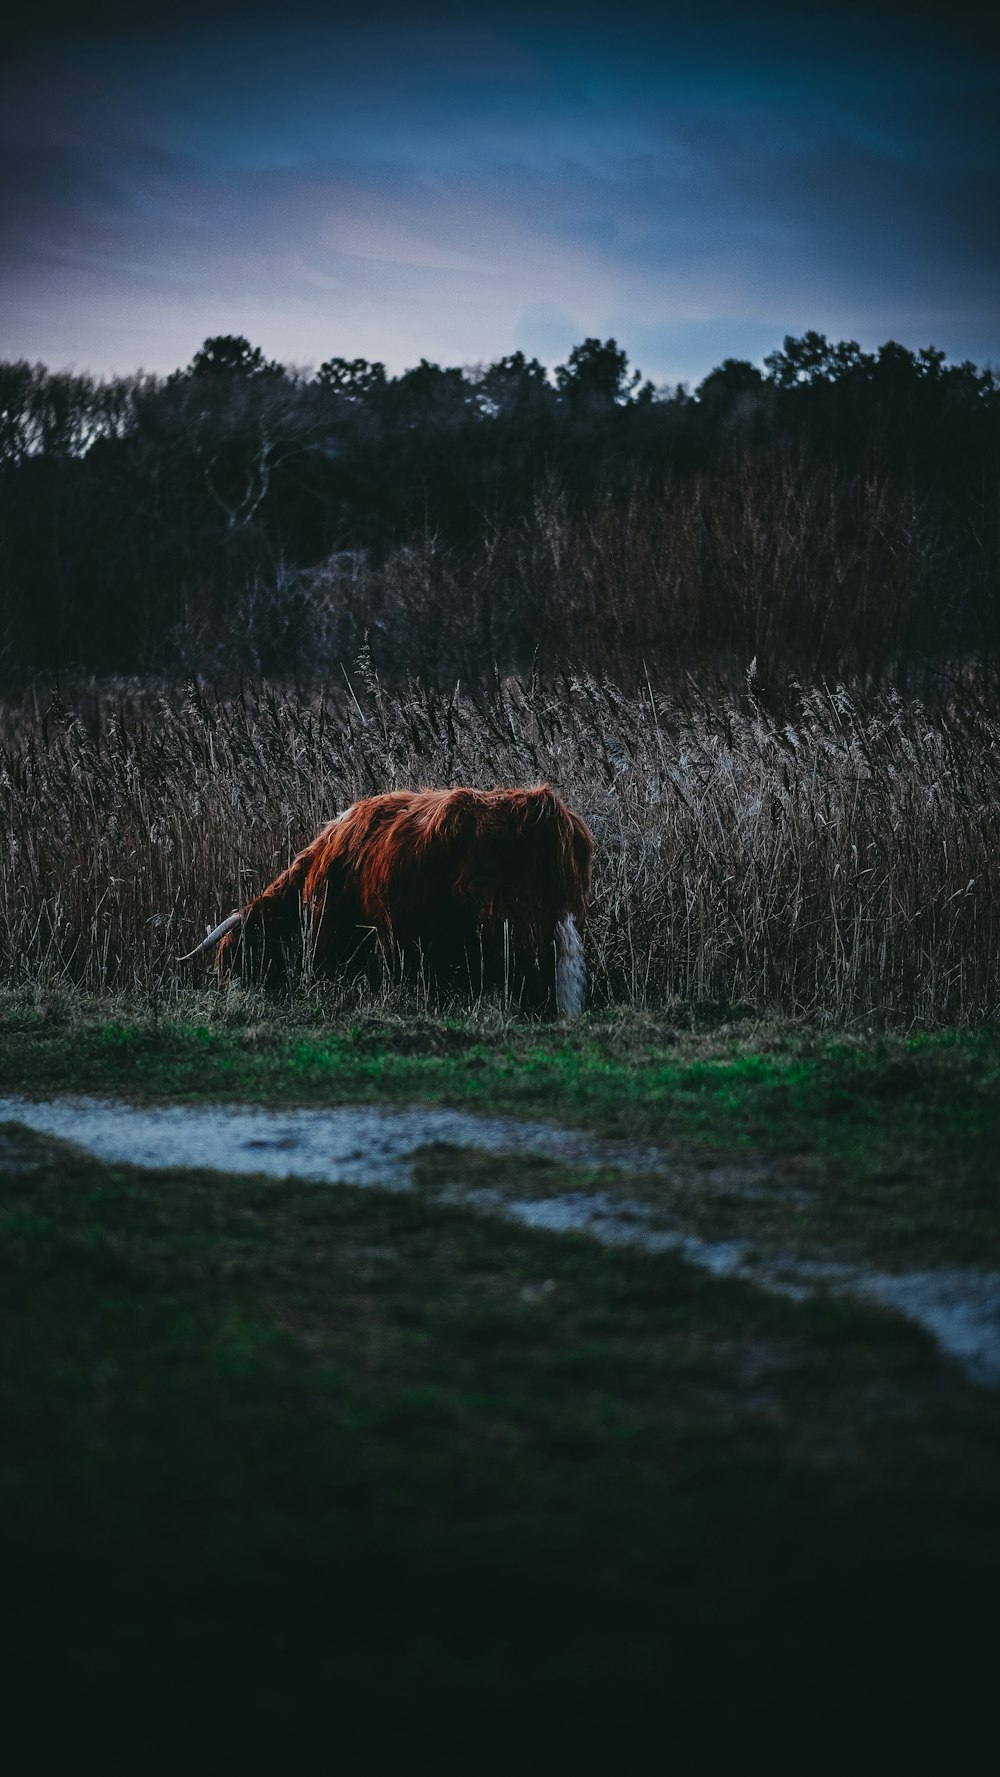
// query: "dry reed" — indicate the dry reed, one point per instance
point(841, 861)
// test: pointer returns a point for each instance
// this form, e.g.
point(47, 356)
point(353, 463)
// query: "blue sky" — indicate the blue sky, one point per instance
point(455, 182)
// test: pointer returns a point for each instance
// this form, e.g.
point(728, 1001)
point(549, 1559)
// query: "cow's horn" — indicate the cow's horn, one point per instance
point(213, 937)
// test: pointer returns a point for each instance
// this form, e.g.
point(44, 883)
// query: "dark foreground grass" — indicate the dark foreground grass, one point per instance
point(298, 1479)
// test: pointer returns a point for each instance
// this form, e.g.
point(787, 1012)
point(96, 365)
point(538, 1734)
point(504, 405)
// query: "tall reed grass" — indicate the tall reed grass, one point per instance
point(814, 572)
point(839, 859)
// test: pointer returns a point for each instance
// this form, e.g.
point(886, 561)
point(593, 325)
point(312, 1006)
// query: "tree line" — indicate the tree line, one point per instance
point(243, 514)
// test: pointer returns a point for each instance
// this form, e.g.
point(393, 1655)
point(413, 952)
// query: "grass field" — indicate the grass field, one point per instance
point(312, 1473)
point(310, 1478)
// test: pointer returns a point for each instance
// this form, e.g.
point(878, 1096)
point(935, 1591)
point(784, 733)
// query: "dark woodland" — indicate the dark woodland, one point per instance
point(834, 517)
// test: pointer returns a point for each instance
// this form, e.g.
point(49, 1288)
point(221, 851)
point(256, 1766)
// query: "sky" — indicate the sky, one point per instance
point(451, 181)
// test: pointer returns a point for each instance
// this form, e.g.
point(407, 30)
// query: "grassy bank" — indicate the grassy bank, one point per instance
point(886, 1144)
point(310, 1476)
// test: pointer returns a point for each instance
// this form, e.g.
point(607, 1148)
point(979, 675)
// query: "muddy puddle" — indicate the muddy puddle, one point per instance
point(366, 1145)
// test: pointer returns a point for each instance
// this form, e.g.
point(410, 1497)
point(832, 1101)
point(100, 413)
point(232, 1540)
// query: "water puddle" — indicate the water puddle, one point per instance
point(365, 1145)
point(347, 1144)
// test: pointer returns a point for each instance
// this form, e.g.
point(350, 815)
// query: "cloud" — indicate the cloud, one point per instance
point(366, 237)
point(453, 183)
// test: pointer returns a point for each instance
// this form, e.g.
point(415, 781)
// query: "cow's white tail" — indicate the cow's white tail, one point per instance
point(571, 970)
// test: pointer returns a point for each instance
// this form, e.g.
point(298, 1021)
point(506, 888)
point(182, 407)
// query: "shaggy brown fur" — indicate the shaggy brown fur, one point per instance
point(477, 888)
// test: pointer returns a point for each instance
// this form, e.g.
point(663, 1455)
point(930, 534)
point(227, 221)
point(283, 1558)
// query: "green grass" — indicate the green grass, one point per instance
point(735, 1080)
point(295, 1476)
point(892, 1139)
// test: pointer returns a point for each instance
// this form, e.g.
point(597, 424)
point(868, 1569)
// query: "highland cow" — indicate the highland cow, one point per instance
point(474, 889)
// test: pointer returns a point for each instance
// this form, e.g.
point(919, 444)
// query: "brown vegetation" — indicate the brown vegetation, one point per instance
point(807, 569)
point(840, 858)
